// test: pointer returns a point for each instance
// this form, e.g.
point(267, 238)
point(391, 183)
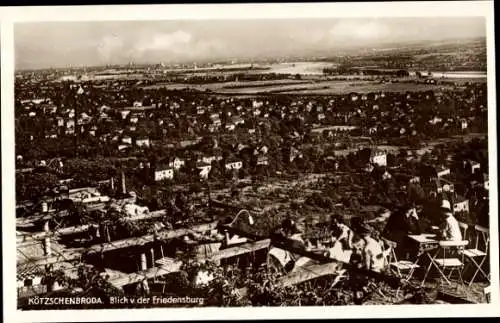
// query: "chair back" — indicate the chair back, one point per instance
point(463, 227)
point(453, 244)
point(483, 233)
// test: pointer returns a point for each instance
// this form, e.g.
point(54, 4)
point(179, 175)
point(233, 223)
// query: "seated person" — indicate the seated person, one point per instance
point(231, 239)
point(341, 232)
point(449, 228)
point(289, 230)
point(374, 257)
point(400, 224)
point(357, 256)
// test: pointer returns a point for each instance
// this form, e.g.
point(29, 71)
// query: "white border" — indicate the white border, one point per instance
point(10, 15)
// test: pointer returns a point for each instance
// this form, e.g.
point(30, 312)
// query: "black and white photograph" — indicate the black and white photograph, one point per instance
point(166, 162)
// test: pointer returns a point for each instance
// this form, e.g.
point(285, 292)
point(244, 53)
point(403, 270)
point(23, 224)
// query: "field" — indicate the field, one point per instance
point(311, 86)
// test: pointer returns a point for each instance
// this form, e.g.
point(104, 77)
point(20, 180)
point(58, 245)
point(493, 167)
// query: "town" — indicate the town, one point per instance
point(241, 186)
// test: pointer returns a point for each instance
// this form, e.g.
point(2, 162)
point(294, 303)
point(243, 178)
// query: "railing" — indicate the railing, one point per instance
point(26, 291)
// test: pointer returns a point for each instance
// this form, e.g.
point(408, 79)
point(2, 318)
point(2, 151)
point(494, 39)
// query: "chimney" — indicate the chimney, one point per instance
point(124, 187)
point(48, 250)
point(144, 262)
point(152, 251)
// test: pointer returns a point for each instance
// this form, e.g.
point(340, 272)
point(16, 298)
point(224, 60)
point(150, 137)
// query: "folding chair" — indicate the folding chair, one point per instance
point(399, 267)
point(487, 294)
point(445, 260)
point(476, 252)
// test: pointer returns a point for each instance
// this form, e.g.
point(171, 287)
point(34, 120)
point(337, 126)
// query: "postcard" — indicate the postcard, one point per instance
point(234, 161)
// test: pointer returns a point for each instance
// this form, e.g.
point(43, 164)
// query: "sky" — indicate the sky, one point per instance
point(60, 44)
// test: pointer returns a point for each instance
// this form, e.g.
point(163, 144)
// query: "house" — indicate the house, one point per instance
point(214, 116)
point(238, 120)
point(378, 158)
point(463, 124)
point(216, 122)
point(208, 160)
point(257, 104)
point(163, 174)
point(142, 142)
point(127, 140)
point(177, 163)
point(51, 135)
point(475, 166)
point(204, 170)
point(295, 153)
point(443, 185)
point(212, 128)
point(435, 120)
point(84, 118)
point(262, 161)
point(60, 121)
point(472, 166)
point(124, 113)
point(414, 180)
point(234, 164)
point(442, 171)
point(70, 124)
point(386, 176)
point(461, 205)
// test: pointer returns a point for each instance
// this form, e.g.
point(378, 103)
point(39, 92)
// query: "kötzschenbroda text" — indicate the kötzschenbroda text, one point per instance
point(64, 300)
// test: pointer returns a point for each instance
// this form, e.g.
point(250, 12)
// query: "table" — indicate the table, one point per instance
point(426, 243)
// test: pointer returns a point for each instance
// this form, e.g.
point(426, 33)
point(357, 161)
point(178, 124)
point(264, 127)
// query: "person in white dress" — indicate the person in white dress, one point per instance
point(450, 229)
